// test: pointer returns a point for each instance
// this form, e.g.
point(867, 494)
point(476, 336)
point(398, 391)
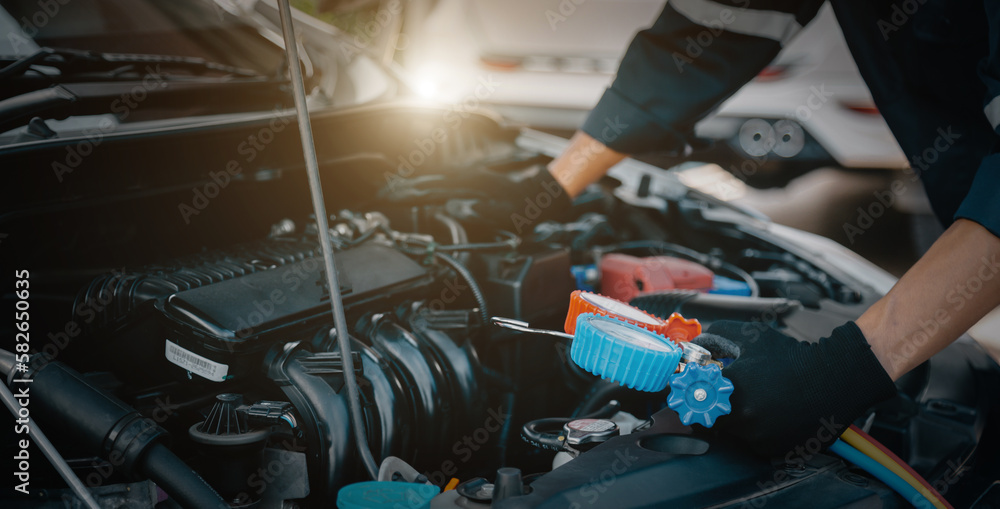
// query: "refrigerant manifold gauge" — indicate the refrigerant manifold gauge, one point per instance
point(617, 345)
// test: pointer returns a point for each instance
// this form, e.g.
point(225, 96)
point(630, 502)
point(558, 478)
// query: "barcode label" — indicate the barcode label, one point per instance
point(196, 364)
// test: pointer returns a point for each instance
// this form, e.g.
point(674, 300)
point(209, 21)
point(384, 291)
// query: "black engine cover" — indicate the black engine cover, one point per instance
point(232, 322)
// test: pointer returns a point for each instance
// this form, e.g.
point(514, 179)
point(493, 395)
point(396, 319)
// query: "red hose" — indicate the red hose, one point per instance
point(901, 463)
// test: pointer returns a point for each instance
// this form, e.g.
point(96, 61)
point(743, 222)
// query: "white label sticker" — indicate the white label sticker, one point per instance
point(196, 364)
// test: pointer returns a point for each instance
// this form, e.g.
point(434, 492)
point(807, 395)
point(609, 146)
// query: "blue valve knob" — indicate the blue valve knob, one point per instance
point(700, 394)
point(632, 356)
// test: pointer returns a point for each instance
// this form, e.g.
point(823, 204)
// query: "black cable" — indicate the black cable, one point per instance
point(458, 235)
point(744, 275)
point(544, 433)
point(477, 293)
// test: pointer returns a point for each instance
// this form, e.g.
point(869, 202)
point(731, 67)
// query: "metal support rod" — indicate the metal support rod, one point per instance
point(50, 452)
point(319, 208)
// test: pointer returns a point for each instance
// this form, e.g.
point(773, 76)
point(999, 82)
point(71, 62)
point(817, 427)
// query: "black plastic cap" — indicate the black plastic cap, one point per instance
point(508, 484)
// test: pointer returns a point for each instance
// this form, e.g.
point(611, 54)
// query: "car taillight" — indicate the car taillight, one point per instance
point(501, 63)
point(772, 73)
point(864, 109)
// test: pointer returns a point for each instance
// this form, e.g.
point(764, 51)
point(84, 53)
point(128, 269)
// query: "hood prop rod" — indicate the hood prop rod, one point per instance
point(319, 209)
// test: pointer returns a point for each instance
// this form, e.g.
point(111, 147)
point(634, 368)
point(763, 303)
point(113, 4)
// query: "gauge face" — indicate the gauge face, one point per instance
point(617, 329)
point(618, 308)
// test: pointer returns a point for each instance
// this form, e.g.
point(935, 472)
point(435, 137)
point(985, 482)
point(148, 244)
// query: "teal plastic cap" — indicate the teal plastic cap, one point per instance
point(386, 495)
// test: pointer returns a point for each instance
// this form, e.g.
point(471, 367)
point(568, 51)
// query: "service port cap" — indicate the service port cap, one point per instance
point(626, 353)
point(675, 327)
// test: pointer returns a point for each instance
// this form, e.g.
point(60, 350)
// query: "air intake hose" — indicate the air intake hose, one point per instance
point(106, 427)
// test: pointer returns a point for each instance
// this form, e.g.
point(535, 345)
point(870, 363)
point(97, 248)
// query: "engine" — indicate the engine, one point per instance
point(212, 348)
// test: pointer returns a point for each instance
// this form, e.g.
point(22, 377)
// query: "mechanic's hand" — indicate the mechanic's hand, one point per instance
point(484, 194)
point(792, 394)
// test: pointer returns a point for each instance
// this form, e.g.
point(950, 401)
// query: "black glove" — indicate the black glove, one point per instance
point(483, 194)
point(793, 396)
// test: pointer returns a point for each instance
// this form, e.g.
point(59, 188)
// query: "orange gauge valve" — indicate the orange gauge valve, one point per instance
point(676, 327)
point(679, 328)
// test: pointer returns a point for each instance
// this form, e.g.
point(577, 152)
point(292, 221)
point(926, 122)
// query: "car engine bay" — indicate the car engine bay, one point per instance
point(183, 278)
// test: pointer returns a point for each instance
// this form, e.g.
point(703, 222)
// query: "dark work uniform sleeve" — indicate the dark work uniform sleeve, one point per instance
point(696, 55)
point(934, 72)
point(982, 204)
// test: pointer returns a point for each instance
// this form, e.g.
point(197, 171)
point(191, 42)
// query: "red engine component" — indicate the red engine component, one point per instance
point(625, 277)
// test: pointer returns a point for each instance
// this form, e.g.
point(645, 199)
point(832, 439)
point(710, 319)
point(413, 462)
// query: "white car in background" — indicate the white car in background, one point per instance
point(549, 62)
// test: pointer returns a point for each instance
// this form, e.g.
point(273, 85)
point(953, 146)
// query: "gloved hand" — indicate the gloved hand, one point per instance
point(483, 194)
point(790, 394)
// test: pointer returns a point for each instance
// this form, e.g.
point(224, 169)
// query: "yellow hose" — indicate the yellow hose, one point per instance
point(866, 447)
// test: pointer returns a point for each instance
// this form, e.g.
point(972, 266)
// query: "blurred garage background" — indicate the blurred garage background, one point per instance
point(803, 142)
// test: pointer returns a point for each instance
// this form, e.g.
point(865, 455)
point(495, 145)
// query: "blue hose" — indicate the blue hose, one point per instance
point(844, 450)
